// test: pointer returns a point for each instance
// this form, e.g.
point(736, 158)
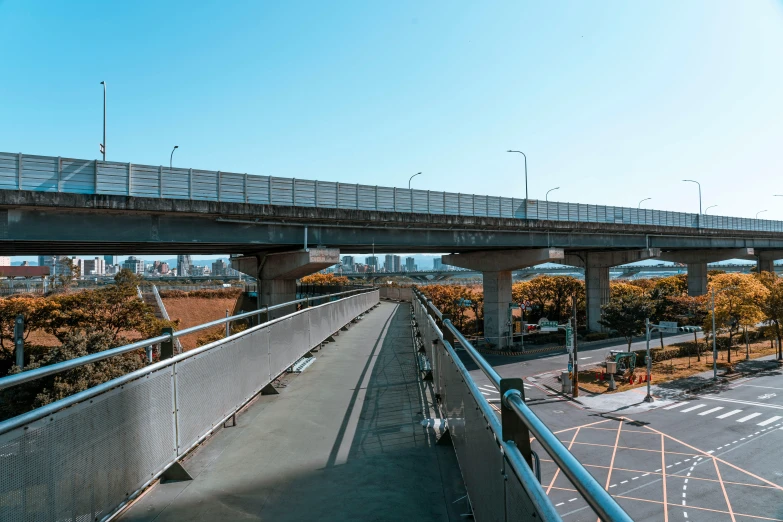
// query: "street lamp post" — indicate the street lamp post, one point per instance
point(525, 156)
point(699, 184)
point(171, 158)
point(103, 145)
point(642, 201)
point(546, 198)
point(409, 181)
point(706, 209)
point(649, 397)
point(759, 212)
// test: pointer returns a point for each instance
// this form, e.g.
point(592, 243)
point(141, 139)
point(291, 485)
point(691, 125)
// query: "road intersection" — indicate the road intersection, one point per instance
point(714, 455)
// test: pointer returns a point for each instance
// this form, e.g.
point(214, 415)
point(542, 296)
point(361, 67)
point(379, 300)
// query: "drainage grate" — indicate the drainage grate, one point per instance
point(302, 364)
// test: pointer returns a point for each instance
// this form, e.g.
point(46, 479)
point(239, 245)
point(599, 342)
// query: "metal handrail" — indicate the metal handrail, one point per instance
point(596, 496)
point(44, 371)
point(53, 407)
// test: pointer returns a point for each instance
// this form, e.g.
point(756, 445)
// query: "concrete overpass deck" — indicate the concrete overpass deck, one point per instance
point(342, 441)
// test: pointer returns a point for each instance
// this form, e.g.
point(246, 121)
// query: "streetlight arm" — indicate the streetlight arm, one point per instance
point(525, 156)
point(409, 181)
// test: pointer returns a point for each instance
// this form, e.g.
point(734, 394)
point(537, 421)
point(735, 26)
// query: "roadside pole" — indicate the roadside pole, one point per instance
point(649, 397)
point(575, 383)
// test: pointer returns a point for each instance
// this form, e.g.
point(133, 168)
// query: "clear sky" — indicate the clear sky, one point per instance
point(612, 101)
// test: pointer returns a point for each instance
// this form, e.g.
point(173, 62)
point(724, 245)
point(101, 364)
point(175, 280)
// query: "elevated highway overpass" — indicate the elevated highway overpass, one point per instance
point(285, 228)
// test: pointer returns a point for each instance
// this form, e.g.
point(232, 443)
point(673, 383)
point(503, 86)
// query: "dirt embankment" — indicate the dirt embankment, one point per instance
point(192, 311)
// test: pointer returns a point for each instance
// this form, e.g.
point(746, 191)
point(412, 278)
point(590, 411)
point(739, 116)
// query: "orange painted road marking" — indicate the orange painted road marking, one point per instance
point(557, 471)
point(708, 455)
point(723, 488)
point(663, 476)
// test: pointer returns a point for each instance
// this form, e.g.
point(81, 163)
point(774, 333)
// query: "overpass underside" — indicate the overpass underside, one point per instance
point(342, 441)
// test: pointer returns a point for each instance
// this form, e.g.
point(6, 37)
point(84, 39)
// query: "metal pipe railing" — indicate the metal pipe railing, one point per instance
point(45, 371)
point(596, 496)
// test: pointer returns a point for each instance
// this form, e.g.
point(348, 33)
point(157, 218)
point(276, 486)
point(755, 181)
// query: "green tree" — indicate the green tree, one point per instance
point(626, 315)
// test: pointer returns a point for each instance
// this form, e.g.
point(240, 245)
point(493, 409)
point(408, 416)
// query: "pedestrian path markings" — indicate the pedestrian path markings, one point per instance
point(729, 414)
point(751, 416)
point(713, 410)
point(769, 421)
point(694, 407)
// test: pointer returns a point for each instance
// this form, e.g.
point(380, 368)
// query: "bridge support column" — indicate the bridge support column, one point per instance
point(496, 267)
point(597, 265)
point(697, 279)
point(765, 261)
point(277, 273)
point(697, 264)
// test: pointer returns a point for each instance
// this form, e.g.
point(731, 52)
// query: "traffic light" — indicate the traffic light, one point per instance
point(690, 329)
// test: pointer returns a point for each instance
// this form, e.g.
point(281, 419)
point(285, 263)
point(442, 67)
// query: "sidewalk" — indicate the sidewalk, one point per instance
point(342, 442)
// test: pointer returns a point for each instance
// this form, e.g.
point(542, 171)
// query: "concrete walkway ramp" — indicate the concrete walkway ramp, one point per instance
point(343, 441)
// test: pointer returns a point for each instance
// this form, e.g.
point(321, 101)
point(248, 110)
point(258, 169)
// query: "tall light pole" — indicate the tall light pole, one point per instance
point(546, 198)
point(711, 206)
point(103, 145)
point(699, 184)
point(642, 201)
point(171, 158)
point(525, 156)
point(409, 181)
point(759, 212)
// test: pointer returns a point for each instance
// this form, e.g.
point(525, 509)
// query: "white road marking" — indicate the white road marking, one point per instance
point(560, 504)
point(729, 414)
point(692, 408)
point(757, 386)
point(675, 405)
point(746, 403)
point(711, 411)
point(748, 417)
point(769, 421)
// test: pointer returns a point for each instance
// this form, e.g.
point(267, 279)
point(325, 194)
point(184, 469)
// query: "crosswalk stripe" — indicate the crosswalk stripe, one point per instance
point(769, 421)
point(711, 411)
point(729, 414)
point(675, 405)
point(698, 406)
point(751, 416)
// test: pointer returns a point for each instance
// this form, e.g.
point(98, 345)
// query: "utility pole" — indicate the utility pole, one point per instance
point(103, 145)
point(575, 382)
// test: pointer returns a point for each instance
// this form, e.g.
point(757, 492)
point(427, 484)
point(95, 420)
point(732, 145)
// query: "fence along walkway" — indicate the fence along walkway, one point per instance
point(343, 441)
point(57, 174)
point(85, 461)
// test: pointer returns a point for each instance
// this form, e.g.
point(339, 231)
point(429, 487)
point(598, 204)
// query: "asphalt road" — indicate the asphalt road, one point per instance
point(714, 456)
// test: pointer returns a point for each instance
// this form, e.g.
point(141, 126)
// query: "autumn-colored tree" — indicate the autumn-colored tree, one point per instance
point(626, 315)
point(35, 310)
point(324, 279)
point(688, 310)
point(772, 306)
point(621, 289)
point(738, 299)
point(552, 295)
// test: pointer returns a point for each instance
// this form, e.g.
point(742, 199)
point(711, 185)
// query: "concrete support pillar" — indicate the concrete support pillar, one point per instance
point(596, 265)
point(496, 267)
point(697, 263)
point(697, 279)
point(497, 297)
point(596, 293)
point(277, 273)
point(765, 261)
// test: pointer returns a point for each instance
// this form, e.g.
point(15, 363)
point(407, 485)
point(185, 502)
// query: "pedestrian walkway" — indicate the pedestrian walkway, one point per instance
point(342, 442)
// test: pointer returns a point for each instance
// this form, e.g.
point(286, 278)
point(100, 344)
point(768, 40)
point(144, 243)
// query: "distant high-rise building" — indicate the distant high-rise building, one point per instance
point(437, 264)
point(163, 268)
point(184, 265)
point(410, 264)
point(388, 264)
point(134, 264)
point(372, 263)
point(348, 264)
point(396, 264)
point(88, 267)
point(58, 265)
point(220, 267)
point(5, 261)
point(109, 260)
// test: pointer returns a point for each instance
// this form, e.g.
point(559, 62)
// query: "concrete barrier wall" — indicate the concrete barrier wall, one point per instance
point(396, 294)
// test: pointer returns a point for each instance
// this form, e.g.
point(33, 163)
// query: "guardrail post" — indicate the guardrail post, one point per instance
point(513, 429)
point(447, 335)
point(19, 340)
point(167, 347)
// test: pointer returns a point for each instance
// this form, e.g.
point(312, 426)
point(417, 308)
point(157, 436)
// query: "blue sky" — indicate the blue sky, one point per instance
point(612, 101)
